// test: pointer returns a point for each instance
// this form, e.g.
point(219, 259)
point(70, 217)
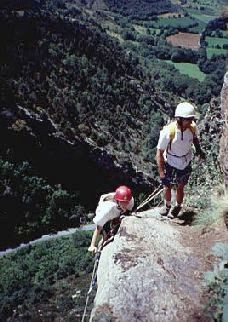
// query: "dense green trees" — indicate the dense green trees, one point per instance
point(73, 71)
point(140, 9)
point(89, 88)
point(38, 275)
point(31, 207)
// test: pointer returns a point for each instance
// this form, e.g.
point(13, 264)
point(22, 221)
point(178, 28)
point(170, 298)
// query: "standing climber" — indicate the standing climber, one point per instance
point(108, 213)
point(174, 155)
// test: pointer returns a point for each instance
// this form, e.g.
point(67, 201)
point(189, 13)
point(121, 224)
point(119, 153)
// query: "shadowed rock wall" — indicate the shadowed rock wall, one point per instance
point(77, 165)
point(223, 156)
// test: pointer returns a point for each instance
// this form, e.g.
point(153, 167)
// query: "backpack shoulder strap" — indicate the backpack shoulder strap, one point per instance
point(192, 128)
point(172, 131)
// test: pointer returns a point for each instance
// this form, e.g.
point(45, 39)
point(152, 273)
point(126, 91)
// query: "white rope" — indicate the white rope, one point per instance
point(153, 195)
point(84, 313)
point(91, 283)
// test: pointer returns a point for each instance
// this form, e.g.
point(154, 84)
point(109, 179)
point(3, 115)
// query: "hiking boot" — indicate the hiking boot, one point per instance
point(164, 210)
point(175, 211)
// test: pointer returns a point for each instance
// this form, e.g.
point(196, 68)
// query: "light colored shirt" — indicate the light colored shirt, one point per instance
point(108, 209)
point(180, 154)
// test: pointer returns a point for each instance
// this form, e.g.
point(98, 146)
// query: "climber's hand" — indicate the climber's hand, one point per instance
point(92, 249)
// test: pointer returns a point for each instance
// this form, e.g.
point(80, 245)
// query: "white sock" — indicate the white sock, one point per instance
point(178, 204)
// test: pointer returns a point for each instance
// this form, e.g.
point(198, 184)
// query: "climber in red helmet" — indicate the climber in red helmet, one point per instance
point(109, 210)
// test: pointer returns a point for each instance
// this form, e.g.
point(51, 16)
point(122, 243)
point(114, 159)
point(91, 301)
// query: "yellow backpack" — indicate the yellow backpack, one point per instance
point(172, 130)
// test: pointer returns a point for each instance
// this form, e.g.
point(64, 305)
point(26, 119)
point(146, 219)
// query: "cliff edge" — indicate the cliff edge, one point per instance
point(153, 271)
point(223, 154)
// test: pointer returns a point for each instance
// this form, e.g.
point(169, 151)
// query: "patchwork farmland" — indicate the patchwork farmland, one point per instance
point(185, 40)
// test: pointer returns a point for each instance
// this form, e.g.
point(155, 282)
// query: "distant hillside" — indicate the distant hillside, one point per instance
point(78, 116)
point(80, 78)
point(133, 8)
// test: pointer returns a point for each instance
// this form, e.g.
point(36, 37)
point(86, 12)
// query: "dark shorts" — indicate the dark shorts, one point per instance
point(174, 175)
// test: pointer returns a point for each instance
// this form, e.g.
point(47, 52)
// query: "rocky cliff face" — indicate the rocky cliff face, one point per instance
point(153, 271)
point(223, 156)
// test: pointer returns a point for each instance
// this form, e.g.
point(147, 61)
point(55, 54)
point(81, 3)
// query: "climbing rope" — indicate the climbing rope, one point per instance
point(94, 273)
point(153, 195)
point(93, 280)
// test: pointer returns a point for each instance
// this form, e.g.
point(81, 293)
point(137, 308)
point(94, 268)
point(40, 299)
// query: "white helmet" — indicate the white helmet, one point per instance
point(185, 110)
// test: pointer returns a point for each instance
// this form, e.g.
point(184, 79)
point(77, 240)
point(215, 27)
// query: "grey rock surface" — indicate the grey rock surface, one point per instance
point(223, 153)
point(147, 274)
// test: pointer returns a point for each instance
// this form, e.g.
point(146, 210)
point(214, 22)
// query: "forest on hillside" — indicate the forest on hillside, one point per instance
point(61, 65)
point(141, 8)
point(107, 81)
point(194, 71)
point(68, 72)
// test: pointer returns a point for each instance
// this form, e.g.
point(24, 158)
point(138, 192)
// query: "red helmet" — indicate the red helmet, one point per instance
point(123, 193)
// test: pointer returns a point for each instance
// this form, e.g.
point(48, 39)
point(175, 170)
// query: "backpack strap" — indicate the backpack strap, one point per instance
point(172, 130)
point(192, 128)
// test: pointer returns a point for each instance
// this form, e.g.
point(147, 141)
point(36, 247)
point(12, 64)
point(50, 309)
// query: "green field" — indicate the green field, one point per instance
point(115, 35)
point(214, 41)
point(204, 7)
point(194, 24)
point(216, 52)
point(143, 30)
point(182, 22)
point(202, 17)
point(155, 31)
point(192, 70)
point(225, 33)
point(200, 26)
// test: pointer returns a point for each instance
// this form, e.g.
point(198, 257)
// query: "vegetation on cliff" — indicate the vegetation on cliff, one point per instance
point(31, 207)
point(141, 9)
point(44, 277)
point(60, 63)
point(61, 66)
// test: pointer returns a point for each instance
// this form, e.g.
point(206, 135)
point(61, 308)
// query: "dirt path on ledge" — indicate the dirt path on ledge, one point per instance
point(201, 241)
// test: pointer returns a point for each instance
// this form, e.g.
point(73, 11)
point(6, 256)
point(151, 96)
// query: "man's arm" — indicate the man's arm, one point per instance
point(161, 168)
point(160, 163)
point(92, 248)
